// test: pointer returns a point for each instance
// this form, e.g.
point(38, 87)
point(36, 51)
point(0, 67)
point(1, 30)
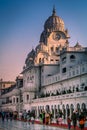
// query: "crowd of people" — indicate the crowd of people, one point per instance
point(76, 119)
point(46, 117)
point(8, 115)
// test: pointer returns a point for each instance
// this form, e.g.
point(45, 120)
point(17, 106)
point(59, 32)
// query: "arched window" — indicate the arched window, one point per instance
point(78, 107)
point(72, 57)
point(27, 97)
point(83, 106)
point(39, 60)
point(68, 110)
point(64, 70)
point(51, 49)
point(72, 108)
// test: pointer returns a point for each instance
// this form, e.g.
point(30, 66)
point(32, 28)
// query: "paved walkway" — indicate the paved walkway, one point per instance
point(19, 125)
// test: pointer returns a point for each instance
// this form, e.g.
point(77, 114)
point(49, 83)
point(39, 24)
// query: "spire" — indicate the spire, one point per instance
point(54, 11)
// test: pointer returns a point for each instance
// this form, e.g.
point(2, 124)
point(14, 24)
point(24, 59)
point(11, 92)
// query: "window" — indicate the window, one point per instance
point(56, 49)
point(13, 100)
point(72, 57)
point(64, 70)
point(39, 60)
point(27, 97)
point(17, 100)
point(56, 60)
point(51, 49)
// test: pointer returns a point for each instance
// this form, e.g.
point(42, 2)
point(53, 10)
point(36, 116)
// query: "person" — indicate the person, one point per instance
point(25, 115)
point(43, 117)
point(7, 115)
point(69, 122)
point(74, 120)
point(11, 116)
point(81, 121)
point(32, 119)
point(47, 117)
point(3, 115)
point(29, 117)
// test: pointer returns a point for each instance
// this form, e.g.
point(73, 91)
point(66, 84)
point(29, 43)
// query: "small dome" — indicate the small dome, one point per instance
point(54, 23)
point(78, 45)
point(30, 57)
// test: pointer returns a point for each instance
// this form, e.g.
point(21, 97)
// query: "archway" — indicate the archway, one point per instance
point(68, 110)
point(64, 111)
point(84, 109)
point(72, 108)
point(78, 108)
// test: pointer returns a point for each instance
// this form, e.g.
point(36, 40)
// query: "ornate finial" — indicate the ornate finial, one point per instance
point(54, 11)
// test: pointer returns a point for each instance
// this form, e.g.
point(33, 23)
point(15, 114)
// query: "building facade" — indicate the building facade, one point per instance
point(54, 76)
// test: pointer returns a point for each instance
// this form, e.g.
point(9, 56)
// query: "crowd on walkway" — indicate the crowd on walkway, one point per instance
point(46, 117)
point(76, 119)
point(8, 115)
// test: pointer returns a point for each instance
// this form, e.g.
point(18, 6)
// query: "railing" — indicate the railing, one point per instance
point(65, 76)
point(61, 97)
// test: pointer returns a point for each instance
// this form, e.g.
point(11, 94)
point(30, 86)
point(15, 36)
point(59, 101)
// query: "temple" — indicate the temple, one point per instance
point(54, 75)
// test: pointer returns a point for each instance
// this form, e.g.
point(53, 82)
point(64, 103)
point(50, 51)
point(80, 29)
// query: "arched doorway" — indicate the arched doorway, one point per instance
point(72, 108)
point(84, 109)
point(64, 111)
point(67, 110)
point(78, 108)
point(47, 108)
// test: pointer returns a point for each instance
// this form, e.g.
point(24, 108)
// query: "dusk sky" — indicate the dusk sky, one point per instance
point(22, 22)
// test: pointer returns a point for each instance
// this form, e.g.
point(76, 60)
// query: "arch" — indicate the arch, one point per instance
point(78, 108)
point(63, 106)
point(67, 106)
point(64, 70)
point(72, 57)
point(47, 108)
point(39, 60)
point(83, 107)
point(68, 110)
point(64, 111)
point(72, 108)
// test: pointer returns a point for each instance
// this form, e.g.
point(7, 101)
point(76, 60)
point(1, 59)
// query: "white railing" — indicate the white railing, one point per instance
point(61, 97)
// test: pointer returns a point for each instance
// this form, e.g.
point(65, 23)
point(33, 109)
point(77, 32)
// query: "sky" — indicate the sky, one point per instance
point(22, 22)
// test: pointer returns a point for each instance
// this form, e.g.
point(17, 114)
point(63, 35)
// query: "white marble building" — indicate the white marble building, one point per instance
point(54, 74)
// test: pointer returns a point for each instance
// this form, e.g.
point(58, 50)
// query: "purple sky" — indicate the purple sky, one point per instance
point(21, 23)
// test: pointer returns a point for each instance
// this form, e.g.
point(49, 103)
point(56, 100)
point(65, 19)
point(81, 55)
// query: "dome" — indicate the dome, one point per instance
point(54, 23)
point(30, 57)
point(31, 54)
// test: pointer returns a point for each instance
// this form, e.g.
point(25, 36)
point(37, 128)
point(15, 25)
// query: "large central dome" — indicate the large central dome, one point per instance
point(54, 23)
